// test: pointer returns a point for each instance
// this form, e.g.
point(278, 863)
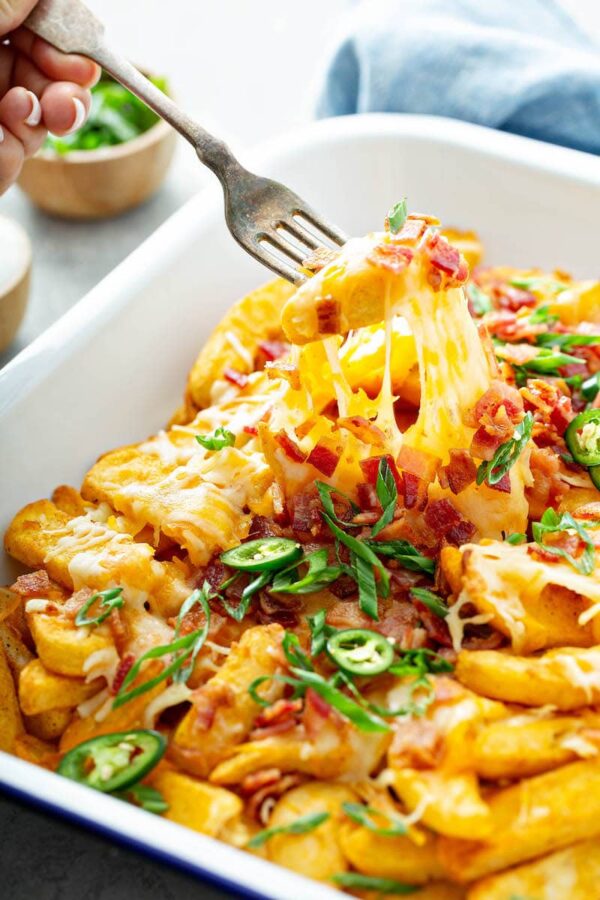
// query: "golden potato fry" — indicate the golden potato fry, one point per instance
point(579, 303)
point(11, 724)
point(521, 746)
point(48, 726)
point(567, 678)
point(399, 858)
point(17, 653)
point(452, 804)
point(572, 873)
point(235, 340)
point(535, 603)
point(41, 690)
point(62, 647)
point(222, 710)
point(34, 750)
point(203, 807)
point(531, 818)
point(9, 601)
point(316, 854)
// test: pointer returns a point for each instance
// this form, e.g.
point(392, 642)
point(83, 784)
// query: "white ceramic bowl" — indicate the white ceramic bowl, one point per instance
point(112, 370)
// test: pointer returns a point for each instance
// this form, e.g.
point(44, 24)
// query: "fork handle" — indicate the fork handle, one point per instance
point(72, 28)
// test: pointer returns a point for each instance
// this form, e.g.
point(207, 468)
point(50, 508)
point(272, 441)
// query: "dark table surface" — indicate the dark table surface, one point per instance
point(45, 858)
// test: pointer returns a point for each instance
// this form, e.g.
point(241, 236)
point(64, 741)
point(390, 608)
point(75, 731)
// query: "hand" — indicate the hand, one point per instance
point(41, 90)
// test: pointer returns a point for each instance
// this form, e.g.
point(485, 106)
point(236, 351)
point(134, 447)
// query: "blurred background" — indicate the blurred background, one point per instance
point(249, 71)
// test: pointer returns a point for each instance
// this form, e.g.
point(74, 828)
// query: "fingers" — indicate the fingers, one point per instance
point(64, 107)
point(12, 156)
point(13, 12)
point(20, 118)
point(53, 64)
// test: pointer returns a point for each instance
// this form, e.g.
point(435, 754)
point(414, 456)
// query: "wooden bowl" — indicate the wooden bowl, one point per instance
point(95, 184)
point(15, 270)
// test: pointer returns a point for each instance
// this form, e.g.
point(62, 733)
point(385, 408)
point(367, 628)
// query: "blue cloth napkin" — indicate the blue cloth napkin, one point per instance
point(517, 65)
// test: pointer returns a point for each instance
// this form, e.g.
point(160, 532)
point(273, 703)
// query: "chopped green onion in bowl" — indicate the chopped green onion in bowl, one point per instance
point(116, 116)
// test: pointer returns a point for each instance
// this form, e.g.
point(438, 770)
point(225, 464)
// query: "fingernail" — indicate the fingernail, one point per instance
point(1, 134)
point(35, 116)
point(80, 114)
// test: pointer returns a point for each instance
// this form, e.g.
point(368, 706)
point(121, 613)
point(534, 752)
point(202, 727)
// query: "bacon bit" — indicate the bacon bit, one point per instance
point(316, 710)
point(442, 255)
point(290, 447)
point(504, 485)
point(415, 491)
point(571, 543)
point(319, 258)
point(484, 444)
point(460, 472)
point(72, 606)
point(418, 462)
point(328, 315)
point(391, 256)
point(123, 668)
point(367, 496)
point(119, 630)
point(460, 534)
point(411, 231)
point(284, 370)
point(250, 429)
point(273, 349)
point(562, 414)
point(35, 585)
point(441, 516)
point(208, 699)
point(324, 458)
point(417, 744)
point(436, 628)
point(499, 395)
point(363, 429)
point(262, 527)
point(513, 298)
point(551, 408)
point(275, 719)
point(306, 512)
point(370, 468)
point(234, 376)
point(257, 780)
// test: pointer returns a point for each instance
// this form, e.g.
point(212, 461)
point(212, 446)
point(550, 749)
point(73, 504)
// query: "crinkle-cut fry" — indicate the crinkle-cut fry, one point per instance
point(573, 873)
point(455, 370)
point(48, 726)
point(337, 750)
point(452, 804)
point(316, 854)
point(11, 723)
point(222, 711)
point(41, 690)
point(129, 715)
point(88, 551)
point(196, 804)
point(399, 858)
point(566, 678)
point(523, 745)
point(202, 505)
point(531, 818)
point(536, 604)
point(235, 340)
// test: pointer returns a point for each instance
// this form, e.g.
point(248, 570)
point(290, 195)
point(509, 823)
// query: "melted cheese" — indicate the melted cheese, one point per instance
point(456, 624)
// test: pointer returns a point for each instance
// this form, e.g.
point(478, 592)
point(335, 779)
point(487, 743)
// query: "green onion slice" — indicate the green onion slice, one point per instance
point(298, 826)
point(109, 599)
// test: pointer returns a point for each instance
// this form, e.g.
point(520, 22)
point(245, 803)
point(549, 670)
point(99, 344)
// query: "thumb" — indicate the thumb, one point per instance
point(13, 13)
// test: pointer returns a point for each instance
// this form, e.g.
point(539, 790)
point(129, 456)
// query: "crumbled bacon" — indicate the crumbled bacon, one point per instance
point(263, 527)
point(324, 458)
point(441, 516)
point(370, 468)
point(119, 630)
point(122, 669)
point(276, 719)
point(460, 534)
point(513, 298)
point(418, 462)
point(363, 429)
point(290, 447)
point(546, 489)
point(328, 315)
point(367, 496)
point(234, 376)
point(562, 414)
point(414, 492)
point(442, 255)
point(508, 326)
point(273, 349)
point(417, 743)
point(460, 472)
point(35, 584)
point(411, 231)
point(503, 485)
point(436, 628)
point(499, 395)
point(250, 429)
point(208, 699)
point(392, 257)
point(72, 606)
point(306, 512)
point(550, 407)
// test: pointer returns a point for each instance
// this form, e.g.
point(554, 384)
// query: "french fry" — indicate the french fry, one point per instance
point(567, 678)
point(17, 652)
point(49, 725)
point(41, 690)
point(11, 724)
point(201, 806)
point(521, 746)
point(452, 804)
point(399, 858)
point(316, 854)
point(531, 818)
point(572, 873)
point(222, 710)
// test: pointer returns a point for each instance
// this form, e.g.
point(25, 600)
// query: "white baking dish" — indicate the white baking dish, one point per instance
point(112, 370)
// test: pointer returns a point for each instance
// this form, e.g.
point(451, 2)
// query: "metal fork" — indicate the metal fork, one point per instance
point(266, 218)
